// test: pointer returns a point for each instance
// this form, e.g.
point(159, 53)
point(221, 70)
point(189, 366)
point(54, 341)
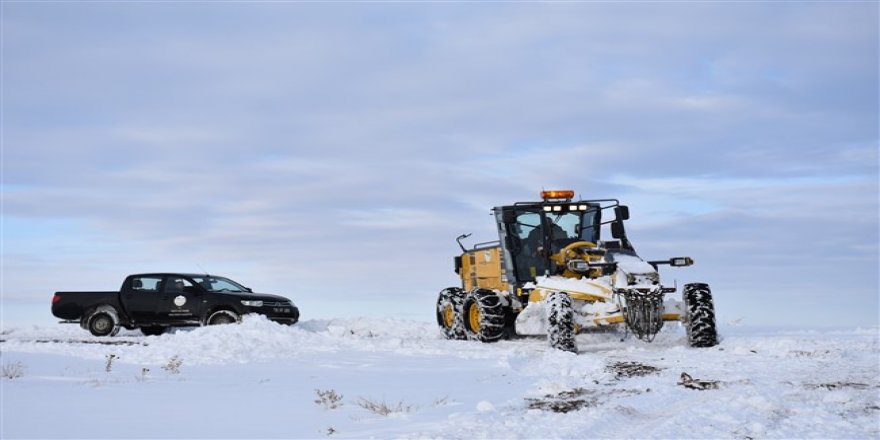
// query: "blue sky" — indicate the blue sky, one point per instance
point(332, 152)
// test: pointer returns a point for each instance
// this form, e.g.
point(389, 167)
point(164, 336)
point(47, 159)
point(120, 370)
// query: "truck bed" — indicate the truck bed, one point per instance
point(70, 305)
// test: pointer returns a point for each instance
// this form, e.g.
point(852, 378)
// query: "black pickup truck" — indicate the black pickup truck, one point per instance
point(155, 301)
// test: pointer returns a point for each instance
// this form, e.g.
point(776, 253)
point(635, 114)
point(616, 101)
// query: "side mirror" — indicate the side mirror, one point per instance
point(622, 212)
point(617, 230)
point(249, 289)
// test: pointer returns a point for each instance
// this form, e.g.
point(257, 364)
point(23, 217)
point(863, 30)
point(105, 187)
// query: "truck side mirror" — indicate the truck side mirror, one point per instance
point(617, 230)
point(622, 212)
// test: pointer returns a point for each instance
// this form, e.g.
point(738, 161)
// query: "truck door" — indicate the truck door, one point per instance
point(179, 300)
point(140, 298)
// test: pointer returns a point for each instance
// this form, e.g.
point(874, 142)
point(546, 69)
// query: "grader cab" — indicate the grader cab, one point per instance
point(553, 272)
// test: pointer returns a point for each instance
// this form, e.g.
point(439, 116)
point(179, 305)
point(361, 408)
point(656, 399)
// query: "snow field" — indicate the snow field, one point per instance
point(259, 380)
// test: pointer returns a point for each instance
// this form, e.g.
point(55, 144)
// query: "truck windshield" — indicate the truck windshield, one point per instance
point(219, 284)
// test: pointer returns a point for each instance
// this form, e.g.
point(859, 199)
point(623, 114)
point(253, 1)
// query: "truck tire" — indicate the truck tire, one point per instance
point(153, 330)
point(483, 315)
point(102, 321)
point(450, 315)
point(700, 323)
point(223, 317)
point(560, 322)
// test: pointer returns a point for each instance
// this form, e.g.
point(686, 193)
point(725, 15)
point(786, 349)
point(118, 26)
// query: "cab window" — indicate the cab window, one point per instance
point(177, 285)
point(145, 284)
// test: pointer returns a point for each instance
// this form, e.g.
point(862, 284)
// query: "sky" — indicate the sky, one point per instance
point(332, 152)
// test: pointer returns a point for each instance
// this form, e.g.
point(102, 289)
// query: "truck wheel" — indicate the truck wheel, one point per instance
point(700, 311)
point(483, 315)
point(223, 317)
point(103, 321)
point(449, 313)
point(560, 322)
point(153, 330)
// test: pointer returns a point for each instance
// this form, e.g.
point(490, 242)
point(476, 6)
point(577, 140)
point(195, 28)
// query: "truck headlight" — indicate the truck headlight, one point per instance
point(252, 303)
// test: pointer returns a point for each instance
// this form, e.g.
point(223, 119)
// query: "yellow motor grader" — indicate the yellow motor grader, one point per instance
point(551, 273)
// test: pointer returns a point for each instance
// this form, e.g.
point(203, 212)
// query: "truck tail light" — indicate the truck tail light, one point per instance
point(56, 298)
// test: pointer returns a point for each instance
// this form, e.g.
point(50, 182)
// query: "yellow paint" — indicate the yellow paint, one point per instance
point(482, 269)
point(586, 296)
point(572, 252)
point(474, 317)
point(537, 295)
point(618, 318)
point(448, 316)
point(610, 319)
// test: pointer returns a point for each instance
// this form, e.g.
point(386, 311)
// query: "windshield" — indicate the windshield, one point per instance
point(219, 284)
point(573, 226)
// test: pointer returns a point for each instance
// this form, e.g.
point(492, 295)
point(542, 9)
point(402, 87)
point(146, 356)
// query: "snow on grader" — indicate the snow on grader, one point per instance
point(551, 273)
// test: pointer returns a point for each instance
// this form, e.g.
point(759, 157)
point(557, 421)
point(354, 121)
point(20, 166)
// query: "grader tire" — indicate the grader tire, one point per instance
point(560, 322)
point(700, 324)
point(450, 317)
point(484, 315)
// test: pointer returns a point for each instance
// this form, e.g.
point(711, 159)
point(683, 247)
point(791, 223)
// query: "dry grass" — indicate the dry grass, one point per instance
point(383, 408)
point(173, 365)
point(12, 371)
point(329, 399)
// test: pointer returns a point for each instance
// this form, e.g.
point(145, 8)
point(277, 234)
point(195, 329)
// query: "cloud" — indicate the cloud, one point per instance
point(343, 148)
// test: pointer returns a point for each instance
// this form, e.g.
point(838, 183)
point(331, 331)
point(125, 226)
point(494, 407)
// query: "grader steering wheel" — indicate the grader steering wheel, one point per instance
point(572, 251)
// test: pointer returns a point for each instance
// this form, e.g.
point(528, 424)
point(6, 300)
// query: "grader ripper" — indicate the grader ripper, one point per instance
point(553, 273)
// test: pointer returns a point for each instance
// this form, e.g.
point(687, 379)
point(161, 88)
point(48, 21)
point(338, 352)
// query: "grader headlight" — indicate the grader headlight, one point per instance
point(579, 266)
point(681, 261)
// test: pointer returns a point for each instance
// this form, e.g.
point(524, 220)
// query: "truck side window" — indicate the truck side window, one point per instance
point(176, 284)
point(145, 284)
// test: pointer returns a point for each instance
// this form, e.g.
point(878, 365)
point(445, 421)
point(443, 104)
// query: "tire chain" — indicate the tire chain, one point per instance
point(453, 297)
point(491, 315)
point(700, 315)
point(643, 313)
point(560, 322)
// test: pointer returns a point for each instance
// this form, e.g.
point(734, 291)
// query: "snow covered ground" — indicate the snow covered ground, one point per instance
point(397, 378)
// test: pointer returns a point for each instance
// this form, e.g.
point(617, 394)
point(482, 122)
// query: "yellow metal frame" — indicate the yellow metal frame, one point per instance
point(570, 252)
point(617, 318)
point(483, 268)
point(537, 295)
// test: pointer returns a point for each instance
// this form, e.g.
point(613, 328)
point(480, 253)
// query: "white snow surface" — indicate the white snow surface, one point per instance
point(259, 380)
point(632, 264)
